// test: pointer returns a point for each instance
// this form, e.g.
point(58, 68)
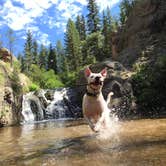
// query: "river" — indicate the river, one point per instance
point(72, 143)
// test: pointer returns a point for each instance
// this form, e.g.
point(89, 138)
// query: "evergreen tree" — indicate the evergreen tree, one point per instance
point(11, 39)
point(60, 56)
point(106, 31)
point(43, 56)
point(94, 48)
point(51, 63)
point(28, 51)
point(35, 52)
point(72, 46)
point(93, 21)
point(80, 25)
point(125, 9)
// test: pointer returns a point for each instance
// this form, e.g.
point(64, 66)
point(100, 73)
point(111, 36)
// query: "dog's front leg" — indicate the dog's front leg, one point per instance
point(92, 126)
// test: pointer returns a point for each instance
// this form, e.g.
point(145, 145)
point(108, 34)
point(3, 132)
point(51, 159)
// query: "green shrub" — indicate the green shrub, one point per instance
point(44, 79)
point(149, 85)
point(15, 83)
point(33, 87)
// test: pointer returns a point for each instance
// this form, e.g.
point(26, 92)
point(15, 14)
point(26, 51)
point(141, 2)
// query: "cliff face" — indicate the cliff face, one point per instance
point(141, 45)
point(12, 83)
point(144, 35)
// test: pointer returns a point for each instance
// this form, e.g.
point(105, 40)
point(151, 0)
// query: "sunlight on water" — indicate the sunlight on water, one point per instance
point(72, 143)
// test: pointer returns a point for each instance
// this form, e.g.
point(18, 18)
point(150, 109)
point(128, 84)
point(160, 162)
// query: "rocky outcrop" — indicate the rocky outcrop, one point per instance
point(141, 47)
point(122, 102)
point(8, 113)
point(12, 85)
point(5, 55)
point(143, 33)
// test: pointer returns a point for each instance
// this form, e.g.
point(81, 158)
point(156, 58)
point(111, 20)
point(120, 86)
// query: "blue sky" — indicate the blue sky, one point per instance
point(45, 18)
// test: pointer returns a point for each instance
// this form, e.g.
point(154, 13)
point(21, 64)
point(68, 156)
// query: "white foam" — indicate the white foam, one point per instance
point(110, 129)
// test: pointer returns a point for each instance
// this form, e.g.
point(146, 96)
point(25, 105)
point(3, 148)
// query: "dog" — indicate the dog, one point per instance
point(94, 106)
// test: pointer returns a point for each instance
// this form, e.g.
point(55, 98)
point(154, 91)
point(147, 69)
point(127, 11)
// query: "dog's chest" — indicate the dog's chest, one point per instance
point(93, 106)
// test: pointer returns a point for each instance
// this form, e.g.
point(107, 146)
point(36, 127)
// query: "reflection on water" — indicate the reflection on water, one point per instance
point(71, 143)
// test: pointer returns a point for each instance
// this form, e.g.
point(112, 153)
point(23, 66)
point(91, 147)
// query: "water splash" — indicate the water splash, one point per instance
point(110, 129)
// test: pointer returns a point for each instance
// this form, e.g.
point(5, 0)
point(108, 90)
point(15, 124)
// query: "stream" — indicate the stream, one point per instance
point(71, 143)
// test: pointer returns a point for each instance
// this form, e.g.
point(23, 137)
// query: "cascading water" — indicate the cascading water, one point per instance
point(57, 106)
point(50, 104)
point(31, 108)
point(26, 108)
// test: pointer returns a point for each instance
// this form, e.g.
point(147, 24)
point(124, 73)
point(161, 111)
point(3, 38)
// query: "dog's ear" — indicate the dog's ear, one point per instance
point(87, 72)
point(104, 72)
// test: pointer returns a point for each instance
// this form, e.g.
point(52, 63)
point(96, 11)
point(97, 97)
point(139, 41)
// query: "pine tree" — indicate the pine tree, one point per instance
point(11, 39)
point(35, 52)
point(43, 56)
point(80, 25)
point(93, 21)
point(60, 56)
point(28, 51)
point(106, 31)
point(125, 9)
point(51, 63)
point(72, 46)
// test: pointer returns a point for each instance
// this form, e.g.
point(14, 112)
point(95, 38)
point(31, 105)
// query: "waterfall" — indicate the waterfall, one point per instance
point(32, 109)
point(50, 104)
point(26, 109)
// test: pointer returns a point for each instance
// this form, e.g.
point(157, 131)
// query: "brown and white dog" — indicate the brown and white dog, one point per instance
point(95, 108)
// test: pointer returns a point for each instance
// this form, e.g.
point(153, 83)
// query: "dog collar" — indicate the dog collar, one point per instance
point(92, 94)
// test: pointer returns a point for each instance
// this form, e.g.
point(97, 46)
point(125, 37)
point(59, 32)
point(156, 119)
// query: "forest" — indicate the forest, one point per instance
point(88, 39)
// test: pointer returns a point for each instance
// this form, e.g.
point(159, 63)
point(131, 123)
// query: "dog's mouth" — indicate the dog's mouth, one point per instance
point(96, 83)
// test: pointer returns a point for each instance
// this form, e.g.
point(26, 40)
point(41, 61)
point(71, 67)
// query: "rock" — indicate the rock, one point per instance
point(117, 81)
point(144, 28)
point(5, 55)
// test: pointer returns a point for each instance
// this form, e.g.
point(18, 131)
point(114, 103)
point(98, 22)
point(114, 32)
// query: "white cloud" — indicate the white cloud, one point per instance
point(43, 38)
point(21, 15)
point(103, 4)
point(82, 2)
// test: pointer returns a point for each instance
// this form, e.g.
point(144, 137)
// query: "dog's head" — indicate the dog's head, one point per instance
point(95, 80)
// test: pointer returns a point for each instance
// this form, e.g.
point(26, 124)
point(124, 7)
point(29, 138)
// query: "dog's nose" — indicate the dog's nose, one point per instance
point(97, 78)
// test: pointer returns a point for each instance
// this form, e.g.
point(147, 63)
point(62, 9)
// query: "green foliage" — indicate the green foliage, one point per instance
point(126, 7)
point(149, 86)
point(17, 66)
point(43, 57)
point(69, 79)
point(52, 61)
point(72, 46)
point(94, 47)
point(44, 79)
point(79, 50)
point(81, 27)
point(15, 83)
point(33, 87)
point(106, 31)
point(93, 20)
point(28, 52)
point(60, 57)
point(35, 56)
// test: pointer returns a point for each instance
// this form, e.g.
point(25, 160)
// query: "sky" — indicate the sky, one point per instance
point(46, 19)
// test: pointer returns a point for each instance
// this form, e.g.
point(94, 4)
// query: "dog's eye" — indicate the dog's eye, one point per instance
point(92, 77)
